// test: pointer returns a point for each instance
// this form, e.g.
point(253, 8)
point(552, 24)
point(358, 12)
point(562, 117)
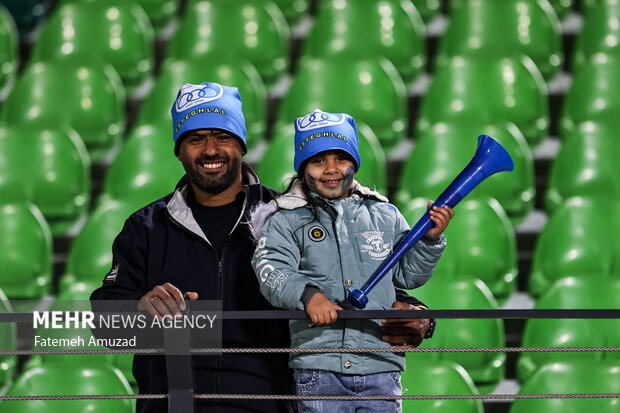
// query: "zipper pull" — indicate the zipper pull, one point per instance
point(220, 269)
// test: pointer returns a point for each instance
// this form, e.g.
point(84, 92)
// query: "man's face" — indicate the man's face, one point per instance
point(211, 158)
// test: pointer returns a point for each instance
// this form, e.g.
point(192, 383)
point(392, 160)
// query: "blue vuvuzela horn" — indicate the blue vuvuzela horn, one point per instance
point(490, 158)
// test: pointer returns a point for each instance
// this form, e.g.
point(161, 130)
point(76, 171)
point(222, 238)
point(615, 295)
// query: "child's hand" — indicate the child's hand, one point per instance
point(441, 217)
point(321, 310)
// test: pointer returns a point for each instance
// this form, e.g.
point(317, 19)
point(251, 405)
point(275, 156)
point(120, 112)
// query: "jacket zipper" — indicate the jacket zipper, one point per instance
point(220, 279)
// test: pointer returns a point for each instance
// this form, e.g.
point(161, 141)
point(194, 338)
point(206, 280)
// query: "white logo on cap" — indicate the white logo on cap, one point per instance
point(319, 119)
point(192, 95)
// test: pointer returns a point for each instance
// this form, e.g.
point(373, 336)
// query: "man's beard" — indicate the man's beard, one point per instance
point(215, 184)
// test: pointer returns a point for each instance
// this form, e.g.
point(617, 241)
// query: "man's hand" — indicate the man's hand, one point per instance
point(321, 310)
point(404, 332)
point(165, 300)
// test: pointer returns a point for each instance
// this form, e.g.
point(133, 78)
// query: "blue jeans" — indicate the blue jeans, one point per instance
point(320, 382)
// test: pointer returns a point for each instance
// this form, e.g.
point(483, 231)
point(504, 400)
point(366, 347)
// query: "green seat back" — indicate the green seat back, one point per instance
point(508, 28)
point(25, 251)
point(173, 75)
point(86, 97)
point(570, 377)
point(369, 90)
point(9, 47)
point(160, 12)
point(366, 29)
point(593, 292)
point(60, 167)
point(488, 90)
point(90, 254)
point(255, 31)
point(145, 169)
point(428, 9)
point(485, 368)
point(293, 10)
point(57, 379)
point(482, 244)
point(442, 152)
point(438, 377)
point(8, 342)
point(577, 240)
point(585, 165)
point(116, 30)
point(592, 96)
point(275, 167)
point(599, 33)
point(562, 7)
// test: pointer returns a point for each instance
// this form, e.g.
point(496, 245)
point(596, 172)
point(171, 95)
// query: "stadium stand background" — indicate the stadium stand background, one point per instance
point(85, 140)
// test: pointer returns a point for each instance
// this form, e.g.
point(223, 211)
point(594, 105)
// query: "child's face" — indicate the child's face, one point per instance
point(330, 174)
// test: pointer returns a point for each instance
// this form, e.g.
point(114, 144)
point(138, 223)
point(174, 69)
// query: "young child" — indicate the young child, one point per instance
point(324, 235)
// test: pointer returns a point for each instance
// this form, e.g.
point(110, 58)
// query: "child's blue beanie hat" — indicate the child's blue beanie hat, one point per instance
point(321, 131)
point(208, 105)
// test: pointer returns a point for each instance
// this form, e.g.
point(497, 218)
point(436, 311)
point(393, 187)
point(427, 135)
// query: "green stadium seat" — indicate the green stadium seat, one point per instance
point(591, 96)
point(8, 342)
point(488, 90)
point(242, 75)
point(117, 31)
point(571, 377)
point(369, 90)
point(60, 167)
point(293, 10)
point(86, 97)
point(160, 12)
point(584, 166)
point(90, 254)
point(438, 377)
point(275, 167)
point(15, 186)
point(562, 7)
point(366, 29)
point(25, 252)
point(9, 48)
point(145, 169)
point(577, 240)
point(443, 150)
point(248, 30)
point(484, 244)
point(59, 379)
point(593, 292)
point(599, 34)
point(373, 172)
point(428, 9)
point(505, 29)
point(485, 368)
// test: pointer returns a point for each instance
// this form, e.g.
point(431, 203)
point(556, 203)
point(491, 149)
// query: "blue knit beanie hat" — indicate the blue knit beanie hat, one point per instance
point(321, 131)
point(208, 105)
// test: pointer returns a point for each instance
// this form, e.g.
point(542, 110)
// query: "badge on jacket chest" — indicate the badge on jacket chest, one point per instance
point(375, 246)
point(316, 233)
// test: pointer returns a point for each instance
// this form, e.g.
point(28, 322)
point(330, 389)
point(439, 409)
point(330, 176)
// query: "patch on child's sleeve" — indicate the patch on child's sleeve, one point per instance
point(111, 277)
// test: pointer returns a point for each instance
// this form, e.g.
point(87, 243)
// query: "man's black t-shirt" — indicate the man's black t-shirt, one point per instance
point(217, 222)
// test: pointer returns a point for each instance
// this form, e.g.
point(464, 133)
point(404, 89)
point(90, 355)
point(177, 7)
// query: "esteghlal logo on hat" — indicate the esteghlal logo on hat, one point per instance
point(319, 119)
point(192, 95)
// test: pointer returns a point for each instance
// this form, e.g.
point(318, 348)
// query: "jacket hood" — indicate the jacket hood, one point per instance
point(295, 198)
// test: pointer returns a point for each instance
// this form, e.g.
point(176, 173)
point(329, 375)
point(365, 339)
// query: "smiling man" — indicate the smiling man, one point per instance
point(195, 244)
